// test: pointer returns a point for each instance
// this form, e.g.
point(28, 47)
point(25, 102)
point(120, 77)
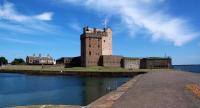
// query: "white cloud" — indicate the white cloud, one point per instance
point(8, 12)
point(46, 16)
point(12, 20)
point(17, 40)
point(143, 15)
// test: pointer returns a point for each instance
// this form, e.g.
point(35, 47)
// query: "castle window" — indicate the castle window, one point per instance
point(104, 40)
point(90, 53)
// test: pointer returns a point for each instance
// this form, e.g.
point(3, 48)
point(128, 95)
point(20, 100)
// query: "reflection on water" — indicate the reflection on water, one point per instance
point(20, 89)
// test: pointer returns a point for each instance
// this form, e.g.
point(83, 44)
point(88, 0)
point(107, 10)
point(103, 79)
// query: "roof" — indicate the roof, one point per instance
point(40, 57)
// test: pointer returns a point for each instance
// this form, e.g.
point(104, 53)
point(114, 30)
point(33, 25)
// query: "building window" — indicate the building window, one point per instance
point(89, 45)
point(104, 41)
point(90, 53)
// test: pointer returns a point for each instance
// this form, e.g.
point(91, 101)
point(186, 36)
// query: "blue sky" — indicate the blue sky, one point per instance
point(141, 28)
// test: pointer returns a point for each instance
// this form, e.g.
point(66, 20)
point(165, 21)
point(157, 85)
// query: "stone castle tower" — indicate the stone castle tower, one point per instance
point(94, 44)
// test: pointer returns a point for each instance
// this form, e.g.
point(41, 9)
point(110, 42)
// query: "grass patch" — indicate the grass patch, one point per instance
point(58, 68)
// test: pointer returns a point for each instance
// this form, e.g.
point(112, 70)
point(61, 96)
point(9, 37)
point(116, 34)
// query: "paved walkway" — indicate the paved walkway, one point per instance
point(161, 90)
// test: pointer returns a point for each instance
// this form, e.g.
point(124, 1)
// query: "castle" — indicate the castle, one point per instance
point(94, 44)
point(96, 50)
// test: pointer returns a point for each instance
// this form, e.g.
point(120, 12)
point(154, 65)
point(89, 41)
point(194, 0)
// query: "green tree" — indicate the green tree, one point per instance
point(18, 61)
point(3, 61)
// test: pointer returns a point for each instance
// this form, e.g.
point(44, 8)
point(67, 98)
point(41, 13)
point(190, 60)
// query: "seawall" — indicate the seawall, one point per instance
point(74, 73)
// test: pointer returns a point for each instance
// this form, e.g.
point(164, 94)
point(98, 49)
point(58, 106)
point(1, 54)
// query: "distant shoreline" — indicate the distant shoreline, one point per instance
point(188, 65)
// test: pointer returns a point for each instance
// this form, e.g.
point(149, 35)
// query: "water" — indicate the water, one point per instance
point(189, 68)
point(21, 89)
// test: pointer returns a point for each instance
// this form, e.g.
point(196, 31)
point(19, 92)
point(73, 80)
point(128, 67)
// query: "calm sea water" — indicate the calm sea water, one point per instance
point(189, 68)
point(21, 89)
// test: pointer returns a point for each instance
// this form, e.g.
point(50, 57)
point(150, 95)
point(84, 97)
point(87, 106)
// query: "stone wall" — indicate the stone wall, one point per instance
point(90, 51)
point(156, 63)
point(111, 61)
point(94, 43)
point(76, 61)
point(69, 61)
point(131, 63)
point(107, 42)
point(64, 60)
